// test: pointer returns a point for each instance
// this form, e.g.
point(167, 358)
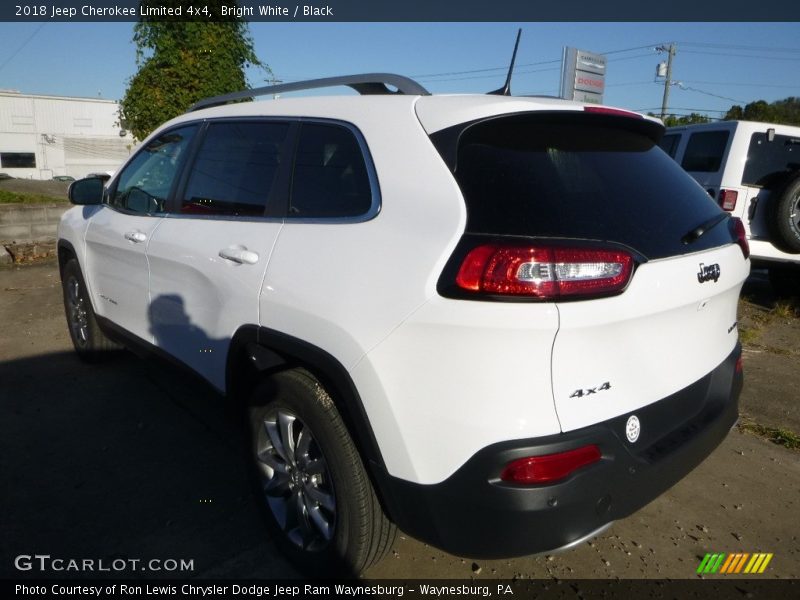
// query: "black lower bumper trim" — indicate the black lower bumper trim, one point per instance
point(473, 513)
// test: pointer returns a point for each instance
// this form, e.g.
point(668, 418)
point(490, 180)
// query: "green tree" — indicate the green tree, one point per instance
point(690, 119)
point(786, 111)
point(182, 62)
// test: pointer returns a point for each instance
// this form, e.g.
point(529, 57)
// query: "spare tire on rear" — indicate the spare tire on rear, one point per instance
point(784, 216)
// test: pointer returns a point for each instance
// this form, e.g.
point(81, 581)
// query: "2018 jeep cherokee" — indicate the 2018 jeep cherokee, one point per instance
point(499, 323)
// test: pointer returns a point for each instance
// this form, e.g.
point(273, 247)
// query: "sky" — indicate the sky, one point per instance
point(716, 65)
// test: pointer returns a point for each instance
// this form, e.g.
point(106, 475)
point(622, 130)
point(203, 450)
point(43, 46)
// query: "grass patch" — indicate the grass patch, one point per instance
point(786, 309)
point(7, 197)
point(748, 335)
point(776, 435)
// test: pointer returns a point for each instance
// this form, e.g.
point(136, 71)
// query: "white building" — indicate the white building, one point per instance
point(45, 136)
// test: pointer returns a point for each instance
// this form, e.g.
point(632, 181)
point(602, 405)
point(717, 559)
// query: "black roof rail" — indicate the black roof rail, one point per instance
point(365, 83)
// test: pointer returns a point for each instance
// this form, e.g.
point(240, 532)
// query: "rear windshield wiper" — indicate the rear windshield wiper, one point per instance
point(695, 234)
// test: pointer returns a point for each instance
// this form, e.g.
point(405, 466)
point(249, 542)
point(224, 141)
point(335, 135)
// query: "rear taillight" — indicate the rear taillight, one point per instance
point(544, 272)
point(550, 467)
point(741, 236)
point(727, 199)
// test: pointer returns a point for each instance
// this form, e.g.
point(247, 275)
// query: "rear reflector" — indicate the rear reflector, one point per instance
point(727, 199)
point(739, 365)
point(741, 236)
point(544, 272)
point(550, 467)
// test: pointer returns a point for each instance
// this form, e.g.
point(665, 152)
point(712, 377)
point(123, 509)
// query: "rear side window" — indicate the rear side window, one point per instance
point(579, 176)
point(669, 143)
point(235, 169)
point(768, 162)
point(330, 177)
point(704, 151)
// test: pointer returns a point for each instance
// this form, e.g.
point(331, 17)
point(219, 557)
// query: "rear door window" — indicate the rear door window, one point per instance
point(579, 176)
point(704, 151)
point(767, 162)
point(236, 169)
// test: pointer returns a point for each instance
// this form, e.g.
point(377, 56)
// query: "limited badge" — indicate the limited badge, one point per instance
point(633, 428)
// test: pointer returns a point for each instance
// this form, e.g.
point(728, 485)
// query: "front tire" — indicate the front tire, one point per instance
point(310, 481)
point(89, 342)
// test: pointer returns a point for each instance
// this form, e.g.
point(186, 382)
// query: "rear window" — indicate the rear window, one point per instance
point(768, 162)
point(704, 151)
point(578, 176)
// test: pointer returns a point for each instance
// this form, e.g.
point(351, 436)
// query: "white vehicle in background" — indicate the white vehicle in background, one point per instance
point(499, 323)
point(753, 171)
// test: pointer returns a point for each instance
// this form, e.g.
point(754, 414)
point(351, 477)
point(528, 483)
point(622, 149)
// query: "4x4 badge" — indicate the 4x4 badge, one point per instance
point(707, 273)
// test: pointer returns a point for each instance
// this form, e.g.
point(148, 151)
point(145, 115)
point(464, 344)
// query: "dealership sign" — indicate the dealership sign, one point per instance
point(583, 76)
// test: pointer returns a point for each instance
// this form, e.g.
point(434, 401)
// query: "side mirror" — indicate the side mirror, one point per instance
point(86, 191)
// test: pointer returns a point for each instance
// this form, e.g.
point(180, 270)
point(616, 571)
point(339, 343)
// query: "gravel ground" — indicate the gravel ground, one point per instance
point(132, 458)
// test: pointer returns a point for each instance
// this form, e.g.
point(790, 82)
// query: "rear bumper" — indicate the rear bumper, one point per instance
point(473, 513)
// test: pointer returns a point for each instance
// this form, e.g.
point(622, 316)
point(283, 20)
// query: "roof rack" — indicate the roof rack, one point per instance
point(364, 84)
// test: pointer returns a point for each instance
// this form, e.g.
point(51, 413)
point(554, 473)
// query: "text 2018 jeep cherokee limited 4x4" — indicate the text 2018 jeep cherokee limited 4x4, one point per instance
point(499, 323)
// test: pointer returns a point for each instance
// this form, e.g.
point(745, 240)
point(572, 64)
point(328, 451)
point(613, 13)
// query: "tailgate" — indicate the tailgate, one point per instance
point(665, 332)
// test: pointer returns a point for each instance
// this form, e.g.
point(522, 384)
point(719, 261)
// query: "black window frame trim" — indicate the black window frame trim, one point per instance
point(372, 175)
point(277, 209)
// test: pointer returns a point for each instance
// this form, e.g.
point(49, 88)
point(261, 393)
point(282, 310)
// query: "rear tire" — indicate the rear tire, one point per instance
point(310, 482)
point(784, 216)
point(89, 341)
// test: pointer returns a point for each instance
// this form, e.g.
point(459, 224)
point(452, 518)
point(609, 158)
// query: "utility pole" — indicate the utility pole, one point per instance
point(668, 80)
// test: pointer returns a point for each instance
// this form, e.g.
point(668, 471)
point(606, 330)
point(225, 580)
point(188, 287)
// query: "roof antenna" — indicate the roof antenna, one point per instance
point(506, 89)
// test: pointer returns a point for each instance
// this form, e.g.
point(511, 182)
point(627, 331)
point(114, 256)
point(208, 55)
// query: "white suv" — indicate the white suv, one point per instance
point(498, 323)
point(753, 171)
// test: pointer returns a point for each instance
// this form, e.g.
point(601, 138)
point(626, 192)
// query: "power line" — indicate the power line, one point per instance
point(535, 64)
point(25, 43)
point(691, 89)
point(740, 47)
point(627, 83)
point(743, 84)
point(505, 68)
point(651, 46)
point(785, 58)
point(517, 73)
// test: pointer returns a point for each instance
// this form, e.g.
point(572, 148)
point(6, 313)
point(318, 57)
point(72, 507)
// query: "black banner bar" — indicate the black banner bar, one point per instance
point(402, 11)
point(728, 588)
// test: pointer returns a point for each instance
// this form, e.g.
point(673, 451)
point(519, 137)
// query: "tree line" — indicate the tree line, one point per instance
point(786, 111)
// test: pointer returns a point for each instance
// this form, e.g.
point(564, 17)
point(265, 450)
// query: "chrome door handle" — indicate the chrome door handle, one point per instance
point(137, 237)
point(239, 255)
